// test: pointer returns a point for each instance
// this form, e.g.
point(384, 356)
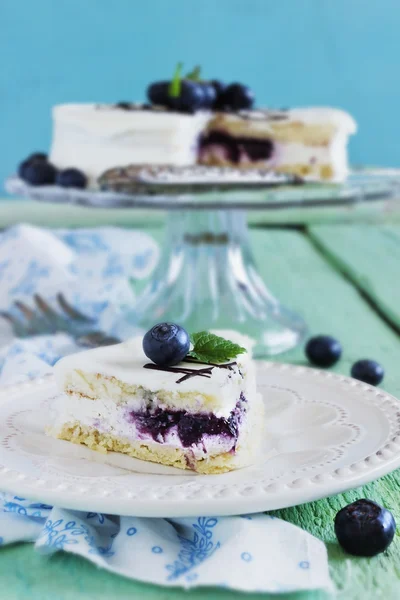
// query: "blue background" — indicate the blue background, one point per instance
point(292, 52)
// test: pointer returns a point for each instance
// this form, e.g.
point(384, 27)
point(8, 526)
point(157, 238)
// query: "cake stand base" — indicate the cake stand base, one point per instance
point(207, 279)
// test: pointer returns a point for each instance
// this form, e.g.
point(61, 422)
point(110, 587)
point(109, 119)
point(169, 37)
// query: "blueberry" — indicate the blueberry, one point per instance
point(210, 95)
point(166, 344)
point(32, 158)
point(237, 97)
point(364, 528)
point(180, 94)
point(71, 178)
point(323, 350)
point(21, 168)
point(192, 97)
point(38, 173)
point(157, 93)
point(368, 371)
point(37, 157)
point(219, 88)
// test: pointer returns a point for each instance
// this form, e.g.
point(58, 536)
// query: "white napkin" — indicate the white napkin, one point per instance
point(250, 553)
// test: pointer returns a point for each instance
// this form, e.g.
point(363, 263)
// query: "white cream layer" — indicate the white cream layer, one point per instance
point(125, 362)
point(95, 139)
point(335, 155)
point(108, 417)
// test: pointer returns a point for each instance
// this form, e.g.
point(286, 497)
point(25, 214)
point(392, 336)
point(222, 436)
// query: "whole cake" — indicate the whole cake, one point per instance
point(193, 122)
point(194, 409)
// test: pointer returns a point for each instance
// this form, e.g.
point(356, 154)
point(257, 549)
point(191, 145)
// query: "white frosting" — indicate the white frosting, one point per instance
point(320, 115)
point(95, 139)
point(125, 363)
point(335, 155)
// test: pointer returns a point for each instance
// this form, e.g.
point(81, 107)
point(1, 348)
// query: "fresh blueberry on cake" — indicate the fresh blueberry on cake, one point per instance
point(187, 402)
point(219, 88)
point(157, 93)
point(210, 95)
point(166, 344)
point(187, 95)
point(181, 94)
point(238, 97)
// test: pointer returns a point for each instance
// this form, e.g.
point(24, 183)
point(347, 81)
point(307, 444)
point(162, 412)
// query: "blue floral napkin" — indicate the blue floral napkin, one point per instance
point(93, 268)
point(253, 553)
point(248, 553)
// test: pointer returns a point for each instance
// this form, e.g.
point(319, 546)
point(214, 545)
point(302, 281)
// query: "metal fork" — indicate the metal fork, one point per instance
point(43, 319)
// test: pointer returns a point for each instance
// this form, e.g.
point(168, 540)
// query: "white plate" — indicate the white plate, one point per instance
point(324, 434)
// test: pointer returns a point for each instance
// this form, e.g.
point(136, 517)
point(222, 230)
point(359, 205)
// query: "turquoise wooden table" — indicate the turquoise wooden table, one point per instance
point(344, 280)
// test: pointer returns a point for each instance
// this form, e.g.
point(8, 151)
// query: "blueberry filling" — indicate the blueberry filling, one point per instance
point(236, 148)
point(190, 427)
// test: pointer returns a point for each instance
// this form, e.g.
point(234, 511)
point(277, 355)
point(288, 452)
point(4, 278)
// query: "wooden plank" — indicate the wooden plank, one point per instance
point(370, 257)
point(305, 281)
point(330, 304)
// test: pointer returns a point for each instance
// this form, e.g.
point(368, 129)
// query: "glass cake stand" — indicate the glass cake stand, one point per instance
point(207, 277)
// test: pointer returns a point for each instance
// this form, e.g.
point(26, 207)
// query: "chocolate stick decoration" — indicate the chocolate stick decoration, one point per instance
point(188, 373)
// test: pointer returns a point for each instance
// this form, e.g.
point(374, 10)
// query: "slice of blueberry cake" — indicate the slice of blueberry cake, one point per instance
point(308, 142)
point(165, 398)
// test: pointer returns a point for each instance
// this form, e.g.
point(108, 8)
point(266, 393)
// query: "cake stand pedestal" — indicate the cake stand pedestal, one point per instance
point(207, 277)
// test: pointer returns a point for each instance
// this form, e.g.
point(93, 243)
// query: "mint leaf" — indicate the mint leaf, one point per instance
point(175, 86)
point(195, 74)
point(211, 348)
